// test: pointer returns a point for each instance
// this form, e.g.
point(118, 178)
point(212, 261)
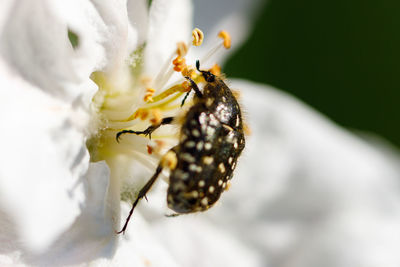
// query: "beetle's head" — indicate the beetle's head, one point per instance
point(208, 76)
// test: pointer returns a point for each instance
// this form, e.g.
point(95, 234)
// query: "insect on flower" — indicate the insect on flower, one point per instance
point(210, 142)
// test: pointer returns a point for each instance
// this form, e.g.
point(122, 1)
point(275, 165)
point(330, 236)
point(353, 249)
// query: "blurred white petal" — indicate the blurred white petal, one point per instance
point(234, 16)
point(209, 13)
point(304, 186)
point(195, 241)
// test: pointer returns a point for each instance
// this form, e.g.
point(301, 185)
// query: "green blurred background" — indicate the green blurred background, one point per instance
point(341, 57)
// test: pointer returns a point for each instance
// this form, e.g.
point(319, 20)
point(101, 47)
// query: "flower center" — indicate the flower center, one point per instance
point(128, 100)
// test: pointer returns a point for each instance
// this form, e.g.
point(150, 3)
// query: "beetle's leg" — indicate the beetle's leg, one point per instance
point(142, 193)
point(169, 160)
point(195, 87)
point(172, 215)
point(184, 99)
point(148, 131)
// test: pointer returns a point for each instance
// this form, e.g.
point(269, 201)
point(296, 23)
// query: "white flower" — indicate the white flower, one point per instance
point(306, 193)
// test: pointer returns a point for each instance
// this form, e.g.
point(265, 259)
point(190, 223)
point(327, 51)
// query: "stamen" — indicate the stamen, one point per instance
point(179, 63)
point(157, 116)
point(198, 37)
point(225, 44)
point(187, 86)
point(149, 150)
point(181, 49)
point(148, 95)
point(169, 160)
point(176, 88)
point(145, 80)
point(141, 113)
point(166, 72)
point(226, 37)
point(156, 147)
point(189, 71)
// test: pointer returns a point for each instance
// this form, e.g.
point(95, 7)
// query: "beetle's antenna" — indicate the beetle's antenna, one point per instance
point(208, 76)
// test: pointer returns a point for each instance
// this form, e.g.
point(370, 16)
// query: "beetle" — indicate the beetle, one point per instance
point(210, 143)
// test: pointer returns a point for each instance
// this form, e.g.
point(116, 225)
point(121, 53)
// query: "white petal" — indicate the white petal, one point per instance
point(35, 42)
point(120, 37)
point(43, 154)
point(91, 235)
point(6, 6)
point(196, 242)
point(139, 246)
point(169, 23)
point(138, 16)
point(349, 239)
point(304, 184)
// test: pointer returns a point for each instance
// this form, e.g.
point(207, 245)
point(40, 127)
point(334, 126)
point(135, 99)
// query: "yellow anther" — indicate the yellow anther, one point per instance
point(216, 70)
point(148, 98)
point(169, 160)
point(149, 94)
point(226, 37)
point(156, 116)
point(186, 86)
point(181, 49)
point(188, 71)
point(179, 63)
point(198, 37)
point(142, 114)
point(149, 150)
point(146, 81)
point(155, 146)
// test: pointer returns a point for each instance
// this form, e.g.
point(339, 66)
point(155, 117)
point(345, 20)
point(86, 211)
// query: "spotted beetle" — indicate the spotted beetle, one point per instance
point(211, 140)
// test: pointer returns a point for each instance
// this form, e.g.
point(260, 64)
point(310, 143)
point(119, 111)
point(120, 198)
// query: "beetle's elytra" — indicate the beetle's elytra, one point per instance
point(211, 140)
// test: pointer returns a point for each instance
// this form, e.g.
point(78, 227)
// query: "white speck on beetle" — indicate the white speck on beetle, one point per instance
point(208, 160)
point(195, 133)
point(193, 167)
point(187, 157)
point(190, 144)
point(207, 146)
point(199, 145)
point(221, 167)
